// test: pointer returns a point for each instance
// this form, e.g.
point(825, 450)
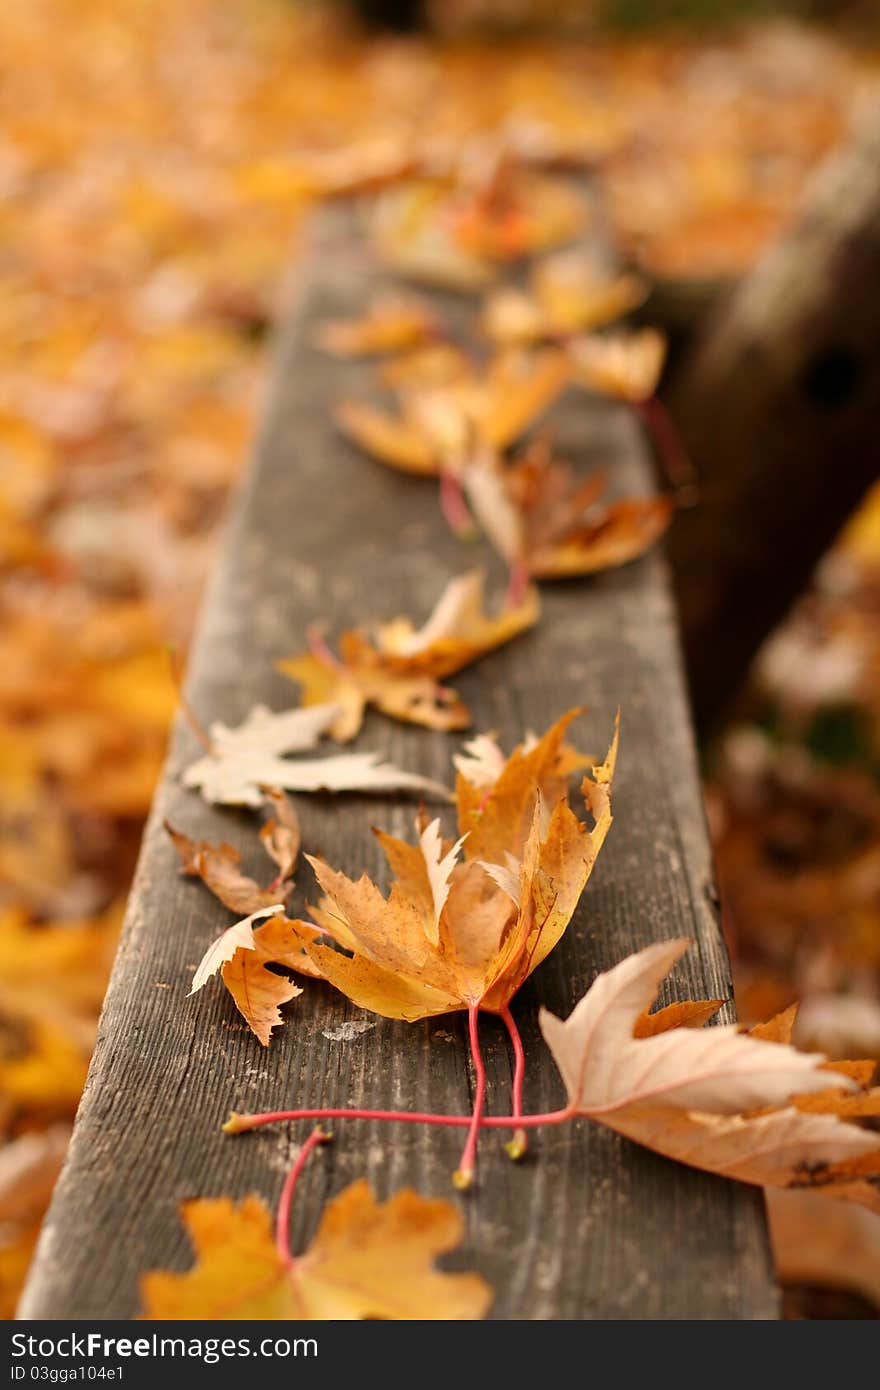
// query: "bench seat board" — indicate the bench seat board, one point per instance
point(589, 1226)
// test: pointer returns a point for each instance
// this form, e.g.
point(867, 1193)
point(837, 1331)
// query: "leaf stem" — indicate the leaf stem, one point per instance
point(320, 650)
point(282, 1220)
point(464, 1173)
point(516, 1146)
point(517, 583)
point(241, 1124)
point(453, 505)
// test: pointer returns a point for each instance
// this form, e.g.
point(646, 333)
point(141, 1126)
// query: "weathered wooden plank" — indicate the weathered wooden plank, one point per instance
point(589, 1225)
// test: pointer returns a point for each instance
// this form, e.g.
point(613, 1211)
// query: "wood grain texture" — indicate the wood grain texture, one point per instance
point(589, 1226)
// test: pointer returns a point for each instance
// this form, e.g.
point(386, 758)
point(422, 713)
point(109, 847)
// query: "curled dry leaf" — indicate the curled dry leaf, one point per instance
point(455, 934)
point(244, 760)
point(219, 865)
point(399, 671)
point(446, 425)
point(552, 525)
point(238, 937)
point(392, 324)
point(569, 293)
point(743, 1105)
point(626, 366)
point(367, 1260)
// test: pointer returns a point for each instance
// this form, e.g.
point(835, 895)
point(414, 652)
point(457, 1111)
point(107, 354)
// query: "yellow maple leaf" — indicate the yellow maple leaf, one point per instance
point(399, 672)
point(367, 1260)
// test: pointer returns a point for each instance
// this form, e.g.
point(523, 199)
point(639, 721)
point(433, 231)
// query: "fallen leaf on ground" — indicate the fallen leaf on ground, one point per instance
point(244, 760)
point(399, 672)
point(541, 517)
point(730, 1102)
point(569, 293)
point(390, 325)
point(455, 934)
point(367, 1260)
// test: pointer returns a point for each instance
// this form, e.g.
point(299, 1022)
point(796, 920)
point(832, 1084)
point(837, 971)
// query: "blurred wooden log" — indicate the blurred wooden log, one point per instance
point(779, 405)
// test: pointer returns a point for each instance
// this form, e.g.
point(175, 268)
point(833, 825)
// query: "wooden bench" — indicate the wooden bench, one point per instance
point(589, 1225)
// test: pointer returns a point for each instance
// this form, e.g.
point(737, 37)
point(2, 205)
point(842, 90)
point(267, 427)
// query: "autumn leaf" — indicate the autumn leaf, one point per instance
point(446, 425)
point(367, 1260)
point(244, 760)
point(455, 934)
point(453, 233)
point(257, 991)
point(568, 294)
point(552, 525)
point(824, 1244)
point(219, 865)
point(732, 1103)
point(390, 325)
point(440, 364)
point(399, 670)
point(626, 366)
point(515, 212)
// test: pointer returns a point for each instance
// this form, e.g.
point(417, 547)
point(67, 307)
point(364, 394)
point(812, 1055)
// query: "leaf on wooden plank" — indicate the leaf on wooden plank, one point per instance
point(458, 631)
point(247, 759)
point(258, 992)
point(391, 324)
point(446, 425)
point(440, 863)
point(481, 762)
point(537, 514)
point(714, 1098)
point(219, 865)
point(399, 671)
point(238, 937)
point(367, 1260)
point(281, 837)
point(569, 293)
point(407, 960)
point(411, 236)
point(495, 809)
point(626, 366)
point(514, 212)
point(441, 364)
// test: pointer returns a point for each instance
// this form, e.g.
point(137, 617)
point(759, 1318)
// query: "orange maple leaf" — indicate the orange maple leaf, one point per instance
point(465, 933)
point(547, 524)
